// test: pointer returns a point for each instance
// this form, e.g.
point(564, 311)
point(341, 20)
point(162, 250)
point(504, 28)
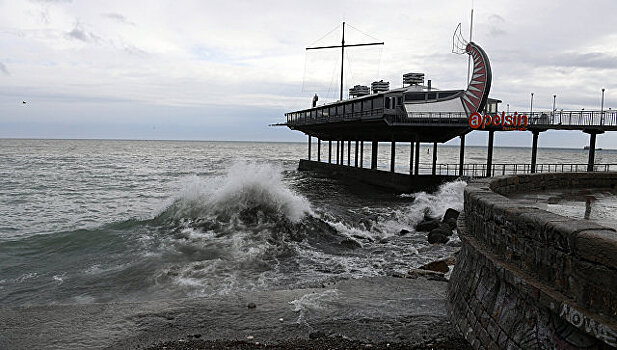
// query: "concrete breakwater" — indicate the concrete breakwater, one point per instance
point(527, 278)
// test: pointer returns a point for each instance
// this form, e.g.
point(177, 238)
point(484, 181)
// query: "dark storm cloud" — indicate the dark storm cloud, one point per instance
point(81, 34)
point(3, 69)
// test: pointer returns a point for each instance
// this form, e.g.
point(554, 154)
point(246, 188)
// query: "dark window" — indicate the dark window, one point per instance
point(399, 101)
point(414, 96)
point(378, 102)
point(432, 95)
point(387, 102)
point(332, 111)
point(339, 109)
point(357, 106)
point(348, 107)
point(366, 104)
point(447, 94)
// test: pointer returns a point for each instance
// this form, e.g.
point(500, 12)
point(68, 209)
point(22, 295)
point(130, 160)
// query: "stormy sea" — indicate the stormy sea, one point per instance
point(87, 221)
point(134, 243)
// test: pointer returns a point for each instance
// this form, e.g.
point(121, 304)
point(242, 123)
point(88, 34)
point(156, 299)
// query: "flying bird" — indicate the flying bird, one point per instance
point(23, 102)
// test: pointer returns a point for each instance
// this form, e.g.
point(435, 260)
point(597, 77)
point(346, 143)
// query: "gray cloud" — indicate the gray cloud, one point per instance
point(586, 60)
point(52, 1)
point(118, 18)
point(81, 34)
point(3, 69)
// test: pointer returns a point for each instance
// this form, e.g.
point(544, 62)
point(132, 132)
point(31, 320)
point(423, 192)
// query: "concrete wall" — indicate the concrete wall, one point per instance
point(526, 278)
point(388, 180)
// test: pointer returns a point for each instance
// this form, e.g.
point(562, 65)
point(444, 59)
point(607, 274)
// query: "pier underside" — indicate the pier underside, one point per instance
point(380, 130)
point(379, 178)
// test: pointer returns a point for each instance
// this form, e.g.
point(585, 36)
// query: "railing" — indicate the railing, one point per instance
point(479, 170)
point(555, 119)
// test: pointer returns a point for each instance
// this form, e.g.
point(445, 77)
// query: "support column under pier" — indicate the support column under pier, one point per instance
point(434, 158)
point(361, 154)
point(461, 156)
point(318, 149)
point(338, 153)
point(592, 149)
point(392, 156)
point(534, 150)
point(342, 152)
point(329, 151)
point(356, 149)
point(417, 167)
point(374, 146)
point(349, 153)
point(309, 147)
point(411, 158)
point(489, 157)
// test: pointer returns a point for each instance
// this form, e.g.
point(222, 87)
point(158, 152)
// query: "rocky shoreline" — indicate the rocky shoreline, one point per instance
point(351, 314)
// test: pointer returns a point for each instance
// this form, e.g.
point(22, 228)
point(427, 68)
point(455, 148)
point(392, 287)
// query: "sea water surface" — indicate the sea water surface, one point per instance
point(85, 221)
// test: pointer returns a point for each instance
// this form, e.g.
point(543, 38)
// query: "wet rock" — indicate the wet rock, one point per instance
point(427, 225)
point(451, 223)
point(431, 275)
point(446, 229)
point(437, 266)
point(438, 236)
point(197, 336)
point(403, 232)
point(384, 240)
point(317, 335)
point(450, 214)
point(350, 243)
point(251, 305)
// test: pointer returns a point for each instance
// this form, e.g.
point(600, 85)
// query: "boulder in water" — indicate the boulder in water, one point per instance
point(438, 235)
point(427, 225)
point(403, 232)
point(450, 214)
point(431, 275)
point(251, 305)
point(437, 266)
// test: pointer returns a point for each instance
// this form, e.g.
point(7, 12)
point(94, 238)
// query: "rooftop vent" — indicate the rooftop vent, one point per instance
point(380, 86)
point(413, 78)
point(359, 90)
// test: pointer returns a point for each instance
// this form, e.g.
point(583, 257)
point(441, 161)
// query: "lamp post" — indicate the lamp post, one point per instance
point(554, 110)
point(531, 107)
point(602, 109)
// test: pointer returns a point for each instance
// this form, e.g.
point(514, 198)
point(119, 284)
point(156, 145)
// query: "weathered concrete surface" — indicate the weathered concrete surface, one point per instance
point(527, 278)
point(385, 179)
point(379, 310)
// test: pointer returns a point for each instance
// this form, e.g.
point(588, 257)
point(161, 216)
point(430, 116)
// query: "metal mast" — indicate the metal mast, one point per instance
point(342, 46)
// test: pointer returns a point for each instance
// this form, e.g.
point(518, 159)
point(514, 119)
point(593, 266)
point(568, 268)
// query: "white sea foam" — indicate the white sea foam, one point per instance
point(245, 186)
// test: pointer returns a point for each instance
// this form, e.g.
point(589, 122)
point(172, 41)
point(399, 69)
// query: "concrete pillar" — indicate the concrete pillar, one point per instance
point(534, 150)
point(461, 156)
point(592, 151)
point(361, 154)
point(349, 153)
point(417, 167)
point(374, 146)
point(392, 155)
point(356, 149)
point(309, 147)
point(318, 149)
point(329, 151)
point(489, 157)
point(411, 158)
point(434, 158)
point(338, 153)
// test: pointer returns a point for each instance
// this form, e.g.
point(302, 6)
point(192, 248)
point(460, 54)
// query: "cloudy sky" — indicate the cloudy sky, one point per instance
point(224, 70)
